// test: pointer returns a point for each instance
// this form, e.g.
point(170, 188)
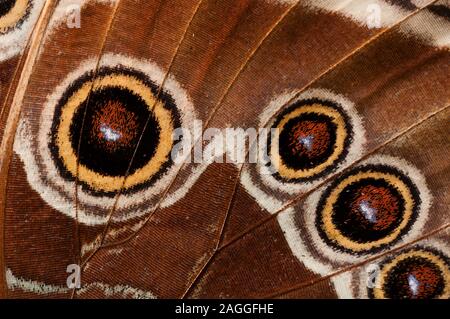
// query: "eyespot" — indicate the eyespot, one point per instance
point(375, 206)
point(122, 103)
point(124, 99)
point(371, 207)
point(367, 209)
point(419, 273)
point(318, 133)
point(313, 137)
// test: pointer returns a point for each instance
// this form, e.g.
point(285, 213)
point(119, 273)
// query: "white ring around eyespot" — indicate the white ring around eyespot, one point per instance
point(43, 175)
point(14, 41)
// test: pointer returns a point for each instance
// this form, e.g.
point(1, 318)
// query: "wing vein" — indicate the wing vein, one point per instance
point(291, 202)
point(353, 266)
point(97, 66)
point(6, 146)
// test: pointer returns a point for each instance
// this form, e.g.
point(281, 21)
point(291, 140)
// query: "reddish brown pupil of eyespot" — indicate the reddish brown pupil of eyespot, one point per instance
point(309, 139)
point(414, 278)
point(114, 126)
point(375, 206)
point(427, 279)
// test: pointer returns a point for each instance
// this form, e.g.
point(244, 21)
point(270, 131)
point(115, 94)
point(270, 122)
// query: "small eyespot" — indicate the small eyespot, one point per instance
point(314, 135)
point(419, 273)
point(307, 137)
point(367, 209)
point(313, 139)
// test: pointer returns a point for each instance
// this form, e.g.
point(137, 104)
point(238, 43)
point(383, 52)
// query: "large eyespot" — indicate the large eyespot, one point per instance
point(419, 273)
point(318, 133)
point(98, 132)
point(16, 20)
point(113, 117)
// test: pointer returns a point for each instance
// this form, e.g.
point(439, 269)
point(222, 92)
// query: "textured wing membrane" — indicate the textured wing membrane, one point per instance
point(50, 237)
point(267, 248)
point(91, 181)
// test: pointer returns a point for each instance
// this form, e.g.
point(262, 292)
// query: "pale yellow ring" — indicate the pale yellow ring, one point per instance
point(14, 15)
point(109, 183)
point(334, 234)
point(341, 135)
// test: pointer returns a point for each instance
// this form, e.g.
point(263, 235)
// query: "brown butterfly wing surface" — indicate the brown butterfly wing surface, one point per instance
point(350, 200)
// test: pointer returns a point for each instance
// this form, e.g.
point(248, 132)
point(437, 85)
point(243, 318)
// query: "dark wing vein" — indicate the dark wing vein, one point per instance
point(222, 98)
point(26, 65)
point(296, 199)
point(359, 264)
point(102, 49)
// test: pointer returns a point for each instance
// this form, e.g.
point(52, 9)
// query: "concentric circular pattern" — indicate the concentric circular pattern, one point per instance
point(13, 13)
point(415, 274)
point(313, 137)
point(367, 209)
point(99, 131)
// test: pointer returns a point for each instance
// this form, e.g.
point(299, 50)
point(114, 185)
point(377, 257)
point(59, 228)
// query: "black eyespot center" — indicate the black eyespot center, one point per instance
point(369, 212)
point(112, 126)
point(310, 139)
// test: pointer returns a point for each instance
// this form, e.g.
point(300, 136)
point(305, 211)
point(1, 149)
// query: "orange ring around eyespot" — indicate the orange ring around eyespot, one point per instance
point(341, 135)
point(113, 183)
point(17, 12)
point(335, 235)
